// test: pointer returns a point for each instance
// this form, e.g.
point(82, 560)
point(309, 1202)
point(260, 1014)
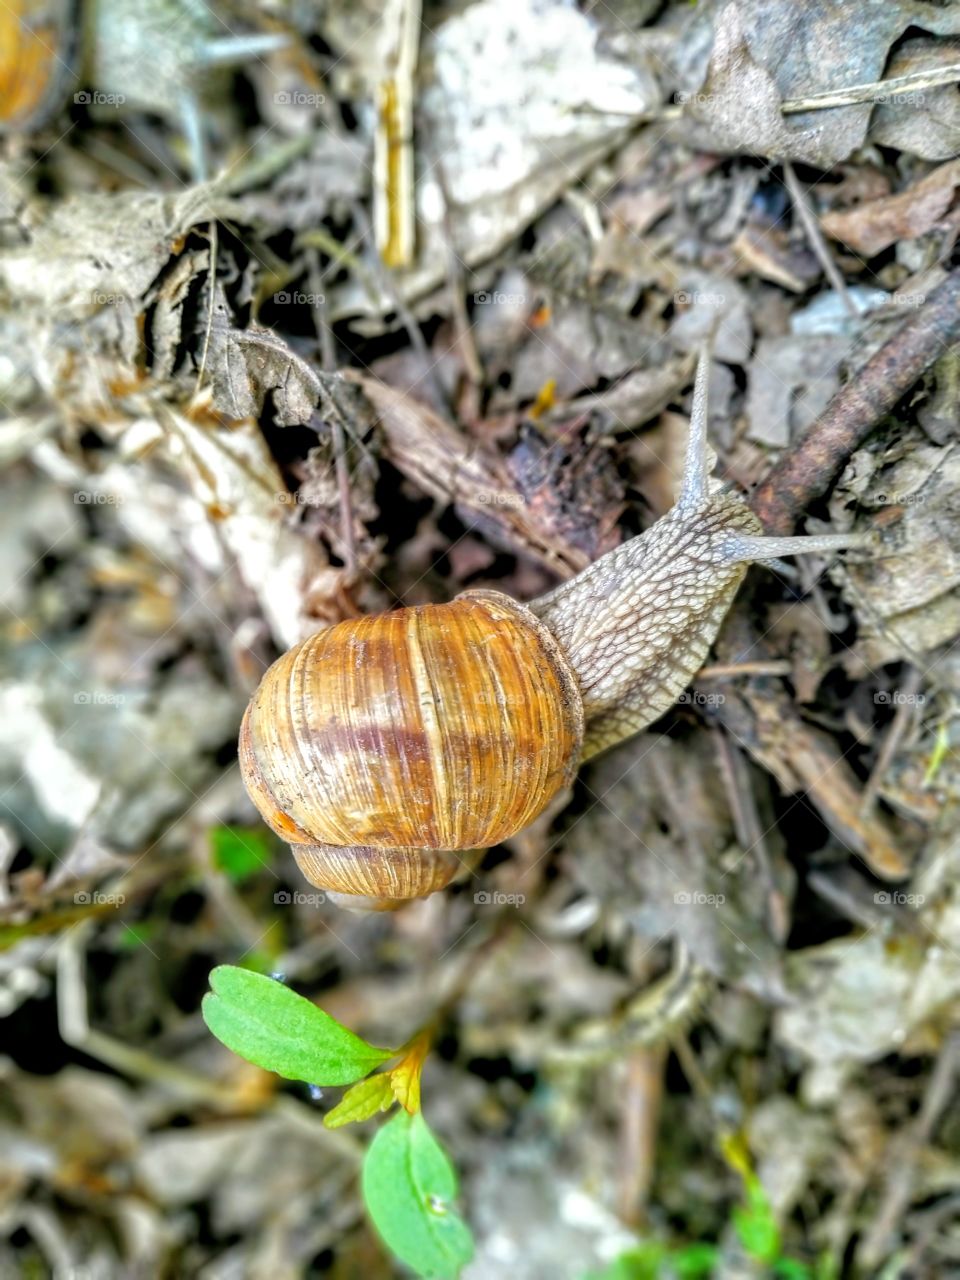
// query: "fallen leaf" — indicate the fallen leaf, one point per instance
point(791, 381)
point(741, 105)
point(872, 227)
point(926, 123)
point(764, 54)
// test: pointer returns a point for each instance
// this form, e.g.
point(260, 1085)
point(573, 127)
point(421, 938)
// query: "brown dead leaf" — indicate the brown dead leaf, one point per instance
point(925, 124)
point(658, 849)
point(443, 463)
point(571, 487)
point(740, 103)
point(907, 599)
point(870, 228)
point(803, 758)
point(768, 254)
point(791, 381)
point(763, 54)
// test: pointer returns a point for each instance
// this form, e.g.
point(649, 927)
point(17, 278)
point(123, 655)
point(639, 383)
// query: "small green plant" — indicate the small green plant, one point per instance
point(409, 1185)
point(240, 852)
point(756, 1227)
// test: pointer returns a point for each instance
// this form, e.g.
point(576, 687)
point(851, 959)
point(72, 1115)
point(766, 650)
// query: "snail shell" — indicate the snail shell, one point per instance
point(38, 44)
point(384, 746)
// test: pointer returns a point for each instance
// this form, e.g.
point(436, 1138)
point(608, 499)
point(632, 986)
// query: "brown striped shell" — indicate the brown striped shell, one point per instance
point(37, 48)
point(384, 746)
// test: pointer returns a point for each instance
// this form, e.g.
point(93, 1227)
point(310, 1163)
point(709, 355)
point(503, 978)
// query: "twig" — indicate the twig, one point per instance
point(806, 471)
point(890, 743)
point(456, 290)
point(801, 202)
point(764, 720)
point(640, 1115)
point(873, 91)
point(328, 360)
point(389, 286)
point(901, 1171)
point(748, 830)
point(726, 670)
point(211, 296)
point(393, 143)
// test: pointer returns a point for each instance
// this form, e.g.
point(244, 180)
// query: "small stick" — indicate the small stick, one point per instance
point(329, 364)
point(748, 830)
point(890, 743)
point(456, 288)
point(901, 1169)
point(874, 91)
point(640, 1115)
point(806, 471)
point(726, 670)
point(393, 153)
point(801, 202)
point(407, 319)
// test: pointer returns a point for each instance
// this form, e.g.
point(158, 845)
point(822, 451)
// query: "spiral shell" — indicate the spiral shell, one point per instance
point(37, 56)
point(383, 746)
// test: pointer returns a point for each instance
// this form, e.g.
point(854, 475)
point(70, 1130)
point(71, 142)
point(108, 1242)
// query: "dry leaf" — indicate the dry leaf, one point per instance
point(926, 123)
point(741, 105)
point(870, 228)
point(907, 599)
point(763, 54)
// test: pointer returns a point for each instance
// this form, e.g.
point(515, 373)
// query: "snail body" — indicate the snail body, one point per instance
point(385, 747)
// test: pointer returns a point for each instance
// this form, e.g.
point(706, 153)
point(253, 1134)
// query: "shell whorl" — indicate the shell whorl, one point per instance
point(383, 745)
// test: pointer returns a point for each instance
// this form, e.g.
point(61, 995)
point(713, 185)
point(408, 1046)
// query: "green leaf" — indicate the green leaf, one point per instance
point(271, 1026)
point(408, 1186)
point(136, 935)
point(756, 1225)
point(240, 851)
point(792, 1269)
point(653, 1261)
point(362, 1101)
point(643, 1263)
point(695, 1261)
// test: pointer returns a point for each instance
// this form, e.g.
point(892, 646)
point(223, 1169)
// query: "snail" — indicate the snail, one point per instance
point(150, 56)
point(385, 747)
